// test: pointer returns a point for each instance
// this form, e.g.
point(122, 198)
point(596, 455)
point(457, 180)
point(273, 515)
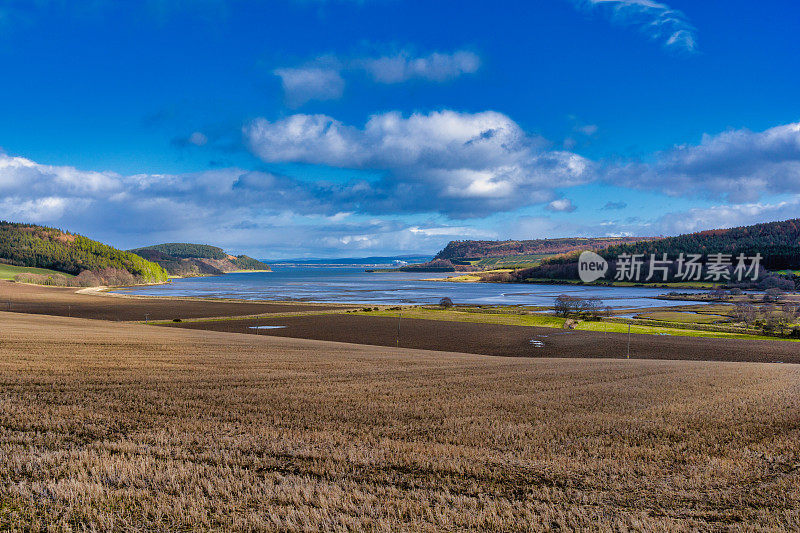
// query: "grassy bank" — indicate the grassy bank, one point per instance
point(7, 272)
point(551, 321)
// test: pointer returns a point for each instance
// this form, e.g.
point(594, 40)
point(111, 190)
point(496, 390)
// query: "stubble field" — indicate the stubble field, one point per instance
point(124, 426)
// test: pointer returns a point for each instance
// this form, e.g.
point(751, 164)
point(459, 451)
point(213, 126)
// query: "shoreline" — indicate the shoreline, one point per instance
point(474, 278)
point(102, 303)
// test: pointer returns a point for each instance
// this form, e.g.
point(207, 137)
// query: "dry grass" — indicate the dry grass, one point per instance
point(120, 426)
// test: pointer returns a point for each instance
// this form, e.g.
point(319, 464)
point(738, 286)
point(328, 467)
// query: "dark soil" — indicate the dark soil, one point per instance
point(494, 339)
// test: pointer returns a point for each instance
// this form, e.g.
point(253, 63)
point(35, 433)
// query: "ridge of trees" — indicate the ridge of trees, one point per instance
point(470, 249)
point(189, 259)
point(32, 245)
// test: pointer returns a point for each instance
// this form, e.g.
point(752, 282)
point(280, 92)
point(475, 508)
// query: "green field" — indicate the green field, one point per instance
point(685, 317)
point(8, 272)
point(550, 321)
point(509, 261)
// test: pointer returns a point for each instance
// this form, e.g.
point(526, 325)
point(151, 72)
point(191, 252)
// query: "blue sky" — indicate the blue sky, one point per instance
point(289, 128)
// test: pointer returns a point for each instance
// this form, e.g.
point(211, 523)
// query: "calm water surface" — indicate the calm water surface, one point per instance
point(353, 285)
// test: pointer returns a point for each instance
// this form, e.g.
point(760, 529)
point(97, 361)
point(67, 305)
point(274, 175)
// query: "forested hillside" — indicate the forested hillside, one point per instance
point(471, 250)
point(185, 250)
point(188, 259)
point(778, 243)
point(38, 246)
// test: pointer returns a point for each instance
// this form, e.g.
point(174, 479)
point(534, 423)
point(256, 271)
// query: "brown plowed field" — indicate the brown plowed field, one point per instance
point(494, 339)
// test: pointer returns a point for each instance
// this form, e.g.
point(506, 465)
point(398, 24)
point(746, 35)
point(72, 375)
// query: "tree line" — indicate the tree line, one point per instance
point(38, 246)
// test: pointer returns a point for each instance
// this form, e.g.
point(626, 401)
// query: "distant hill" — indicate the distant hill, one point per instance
point(778, 243)
point(473, 250)
point(354, 261)
point(30, 245)
point(187, 259)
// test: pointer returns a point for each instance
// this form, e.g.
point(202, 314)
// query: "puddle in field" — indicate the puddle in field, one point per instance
point(266, 327)
point(537, 343)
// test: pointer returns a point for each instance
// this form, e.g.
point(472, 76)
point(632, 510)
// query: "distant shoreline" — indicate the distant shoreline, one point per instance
point(474, 278)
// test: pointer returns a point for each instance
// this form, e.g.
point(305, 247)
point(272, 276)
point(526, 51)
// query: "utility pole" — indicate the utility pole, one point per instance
point(629, 341)
point(146, 317)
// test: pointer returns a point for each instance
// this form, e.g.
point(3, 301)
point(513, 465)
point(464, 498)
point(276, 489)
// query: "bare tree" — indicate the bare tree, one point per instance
point(592, 308)
point(745, 312)
point(786, 316)
point(563, 305)
point(773, 295)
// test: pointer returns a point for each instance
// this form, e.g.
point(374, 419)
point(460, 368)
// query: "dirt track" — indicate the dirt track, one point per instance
point(57, 301)
point(493, 339)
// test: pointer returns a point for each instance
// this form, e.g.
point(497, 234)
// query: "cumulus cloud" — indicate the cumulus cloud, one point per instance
point(727, 216)
point(562, 205)
point(303, 84)
point(460, 164)
point(322, 79)
point(434, 67)
point(662, 224)
point(660, 22)
point(738, 165)
point(254, 212)
point(259, 213)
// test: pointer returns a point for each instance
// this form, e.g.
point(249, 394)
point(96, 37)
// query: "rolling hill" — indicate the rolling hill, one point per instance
point(778, 243)
point(472, 256)
point(30, 245)
point(188, 259)
point(457, 251)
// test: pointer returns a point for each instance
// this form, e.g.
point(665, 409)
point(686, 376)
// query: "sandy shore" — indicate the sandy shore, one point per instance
point(82, 303)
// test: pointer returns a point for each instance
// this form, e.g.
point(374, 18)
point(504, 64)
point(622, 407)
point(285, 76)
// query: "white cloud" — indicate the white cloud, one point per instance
point(664, 224)
point(738, 165)
point(562, 205)
point(303, 84)
point(459, 164)
point(659, 21)
point(254, 212)
point(727, 216)
point(322, 78)
point(434, 67)
point(34, 210)
point(23, 176)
